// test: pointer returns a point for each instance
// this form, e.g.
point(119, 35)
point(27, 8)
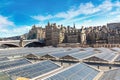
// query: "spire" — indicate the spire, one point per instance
point(74, 25)
point(48, 23)
point(83, 36)
point(82, 29)
point(33, 27)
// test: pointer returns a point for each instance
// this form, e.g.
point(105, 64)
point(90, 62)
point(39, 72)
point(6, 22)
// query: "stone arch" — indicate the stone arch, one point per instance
point(34, 44)
point(9, 45)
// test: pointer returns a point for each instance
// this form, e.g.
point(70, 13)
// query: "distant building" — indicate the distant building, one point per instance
point(36, 33)
point(97, 35)
point(48, 35)
point(54, 34)
point(113, 26)
point(72, 35)
point(57, 34)
point(83, 36)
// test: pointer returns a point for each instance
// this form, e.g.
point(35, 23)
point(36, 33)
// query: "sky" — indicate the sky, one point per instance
point(18, 16)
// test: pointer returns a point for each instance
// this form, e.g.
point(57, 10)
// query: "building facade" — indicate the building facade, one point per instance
point(36, 33)
point(57, 34)
point(113, 26)
point(54, 34)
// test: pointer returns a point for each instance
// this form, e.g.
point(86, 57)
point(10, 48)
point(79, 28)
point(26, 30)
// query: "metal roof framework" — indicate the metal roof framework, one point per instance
point(33, 70)
point(58, 55)
point(80, 71)
point(111, 75)
point(4, 76)
point(79, 55)
point(104, 57)
point(13, 63)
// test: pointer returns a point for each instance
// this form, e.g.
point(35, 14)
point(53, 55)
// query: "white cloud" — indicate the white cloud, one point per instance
point(8, 28)
point(115, 19)
point(87, 8)
point(81, 15)
point(42, 18)
point(4, 22)
point(84, 11)
point(117, 3)
point(115, 12)
point(107, 5)
point(5, 32)
point(21, 30)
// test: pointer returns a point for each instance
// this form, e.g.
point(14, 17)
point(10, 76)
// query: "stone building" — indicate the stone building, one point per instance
point(57, 34)
point(36, 33)
point(72, 38)
point(54, 34)
point(74, 35)
point(114, 37)
point(83, 36)
point(60, 34)
point(113, 26)
point(48, 35)
point(109, 34)
point(97, 35)
point(71, 35)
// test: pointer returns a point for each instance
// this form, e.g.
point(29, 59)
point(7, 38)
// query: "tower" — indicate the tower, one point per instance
point(83, 36)
point(21, 41)
point(33, 27)
point(74, 25)
point(48, 35)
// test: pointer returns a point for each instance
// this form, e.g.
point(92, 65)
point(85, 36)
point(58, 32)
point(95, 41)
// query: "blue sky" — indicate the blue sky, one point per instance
point(17, 16)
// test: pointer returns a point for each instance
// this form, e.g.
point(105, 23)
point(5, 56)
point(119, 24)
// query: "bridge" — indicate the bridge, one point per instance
point(24, 43)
